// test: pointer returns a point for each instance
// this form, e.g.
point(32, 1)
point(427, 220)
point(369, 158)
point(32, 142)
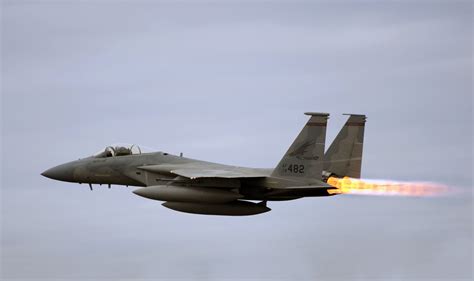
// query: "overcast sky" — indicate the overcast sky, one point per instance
point(229, 83)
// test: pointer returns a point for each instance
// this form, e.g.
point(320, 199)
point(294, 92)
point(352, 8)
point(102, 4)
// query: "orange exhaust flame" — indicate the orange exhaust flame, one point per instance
point(348, 185)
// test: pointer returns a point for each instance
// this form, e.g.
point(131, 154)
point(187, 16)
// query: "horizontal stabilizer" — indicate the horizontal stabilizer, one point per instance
point(323, 185)
point(322, 189)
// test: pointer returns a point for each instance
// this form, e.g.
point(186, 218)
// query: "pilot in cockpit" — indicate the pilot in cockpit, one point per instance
point(118, 150)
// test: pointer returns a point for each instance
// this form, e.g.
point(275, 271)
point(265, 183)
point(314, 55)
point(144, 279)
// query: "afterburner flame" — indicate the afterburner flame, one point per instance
point(348, 185)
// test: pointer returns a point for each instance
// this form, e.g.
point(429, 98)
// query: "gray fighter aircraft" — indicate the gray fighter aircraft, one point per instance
point(201, 187)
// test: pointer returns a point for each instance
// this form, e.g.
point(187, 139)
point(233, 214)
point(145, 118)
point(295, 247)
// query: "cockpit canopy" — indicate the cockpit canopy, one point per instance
point(116, 150)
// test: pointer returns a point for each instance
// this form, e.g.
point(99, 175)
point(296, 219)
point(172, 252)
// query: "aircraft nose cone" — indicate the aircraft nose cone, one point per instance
point(62, 173)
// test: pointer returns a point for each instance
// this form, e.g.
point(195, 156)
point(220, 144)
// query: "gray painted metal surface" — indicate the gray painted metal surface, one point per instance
point(195, 186)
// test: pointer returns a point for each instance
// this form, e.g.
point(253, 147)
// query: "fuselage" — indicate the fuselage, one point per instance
point(126, 170)
point(201, 187)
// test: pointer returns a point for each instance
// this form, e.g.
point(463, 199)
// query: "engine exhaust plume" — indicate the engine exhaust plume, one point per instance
point(348, 185)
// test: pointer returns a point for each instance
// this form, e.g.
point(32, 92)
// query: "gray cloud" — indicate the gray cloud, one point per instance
point(228, 83)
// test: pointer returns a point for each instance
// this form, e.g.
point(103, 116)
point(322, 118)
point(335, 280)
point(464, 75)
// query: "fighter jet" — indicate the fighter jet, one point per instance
point(201, 187)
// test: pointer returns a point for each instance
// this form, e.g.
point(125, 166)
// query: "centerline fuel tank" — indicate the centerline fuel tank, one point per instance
point(235, 208)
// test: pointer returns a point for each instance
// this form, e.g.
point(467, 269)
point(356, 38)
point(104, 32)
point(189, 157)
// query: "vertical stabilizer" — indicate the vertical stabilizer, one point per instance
point(304, 157)
point(344, 156)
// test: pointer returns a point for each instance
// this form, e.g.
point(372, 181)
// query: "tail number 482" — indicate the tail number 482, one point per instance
point(295, 169)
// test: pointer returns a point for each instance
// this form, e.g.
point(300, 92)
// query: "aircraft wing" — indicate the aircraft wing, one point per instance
point(205, 170)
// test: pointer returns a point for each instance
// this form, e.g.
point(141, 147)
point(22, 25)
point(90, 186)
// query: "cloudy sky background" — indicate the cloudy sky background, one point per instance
point(229, 83)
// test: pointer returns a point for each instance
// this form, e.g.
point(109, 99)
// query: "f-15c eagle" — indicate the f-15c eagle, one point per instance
point(200, 187)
